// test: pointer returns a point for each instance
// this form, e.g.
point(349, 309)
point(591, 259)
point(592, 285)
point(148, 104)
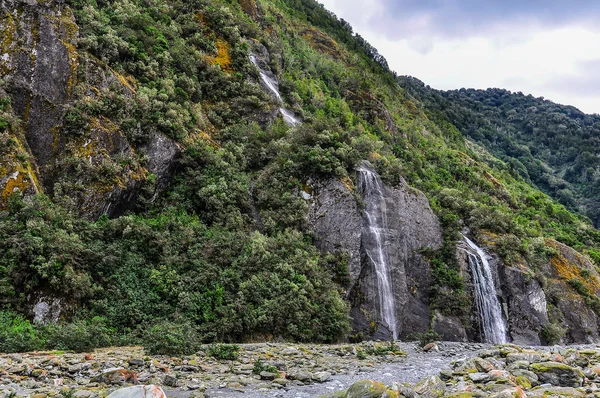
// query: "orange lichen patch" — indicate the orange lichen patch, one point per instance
point(374, 156)
point(127, 81)
point(201, 18)
point(347, 183)
point(29, 169)
point(466, 159)
point(209, 139)
point(568, 265)
point(487, 237)
point(321, 42)
point(223, 57)
point(495, 182)
point(15, 182)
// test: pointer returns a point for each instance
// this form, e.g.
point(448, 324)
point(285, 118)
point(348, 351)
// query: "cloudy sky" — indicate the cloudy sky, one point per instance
point(548, 48)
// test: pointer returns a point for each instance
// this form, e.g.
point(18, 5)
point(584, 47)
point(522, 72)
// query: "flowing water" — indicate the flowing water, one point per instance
point(273, 85)
point(490, 311)
point(376, 226)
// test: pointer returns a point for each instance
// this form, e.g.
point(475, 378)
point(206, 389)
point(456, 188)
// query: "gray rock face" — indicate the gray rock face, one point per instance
point(411, 226)
point(526, 304)
point(41, 65)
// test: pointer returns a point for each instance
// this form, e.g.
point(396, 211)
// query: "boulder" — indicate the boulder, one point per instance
point(430, 387)
point(558, 374)
point(150, 391)
point(366, 389)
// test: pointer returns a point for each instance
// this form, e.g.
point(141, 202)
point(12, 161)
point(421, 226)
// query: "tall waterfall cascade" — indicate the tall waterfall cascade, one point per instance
point(375, 227)
point(273, 85)
point(488, 306)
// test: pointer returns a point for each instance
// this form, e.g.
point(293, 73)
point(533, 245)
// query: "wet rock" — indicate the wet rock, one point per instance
point(150, 391)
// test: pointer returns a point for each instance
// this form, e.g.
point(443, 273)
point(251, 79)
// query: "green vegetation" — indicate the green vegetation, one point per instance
point(550, 145)
point(224, 351)
point(259, 367)
point(224, 255)
point(389, 348)
point(425, 338)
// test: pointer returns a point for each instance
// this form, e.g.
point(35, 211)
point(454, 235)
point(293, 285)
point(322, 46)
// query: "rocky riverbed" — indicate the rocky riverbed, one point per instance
point(286, 370)
point(277, 370)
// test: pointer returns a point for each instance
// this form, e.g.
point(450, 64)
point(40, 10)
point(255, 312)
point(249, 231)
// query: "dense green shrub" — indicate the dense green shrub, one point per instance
point(224, 351)
point(553, 333)
point(80, 335)
point(171, 338)
point(18, 335)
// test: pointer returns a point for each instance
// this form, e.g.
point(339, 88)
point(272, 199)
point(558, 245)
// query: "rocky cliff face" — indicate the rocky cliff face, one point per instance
point(46, 77)
point(341, 225)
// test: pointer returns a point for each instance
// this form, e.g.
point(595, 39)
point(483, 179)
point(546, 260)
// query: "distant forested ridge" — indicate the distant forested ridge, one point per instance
point(556, 147)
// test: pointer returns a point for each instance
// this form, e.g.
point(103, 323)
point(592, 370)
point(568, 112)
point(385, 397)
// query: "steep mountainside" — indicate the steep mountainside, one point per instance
point(251, 170)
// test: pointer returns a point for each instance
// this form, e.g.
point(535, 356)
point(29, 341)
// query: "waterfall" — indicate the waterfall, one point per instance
point(289, 117)
point(490, 312)
point(269, 80)
point(375, 227)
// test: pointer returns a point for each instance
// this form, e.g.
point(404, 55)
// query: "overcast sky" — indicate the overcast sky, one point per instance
point(548, 48)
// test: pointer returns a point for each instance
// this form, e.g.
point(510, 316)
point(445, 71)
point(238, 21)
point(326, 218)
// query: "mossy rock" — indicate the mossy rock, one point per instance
point(366, 389)
point(558, 374)
point(523, 382)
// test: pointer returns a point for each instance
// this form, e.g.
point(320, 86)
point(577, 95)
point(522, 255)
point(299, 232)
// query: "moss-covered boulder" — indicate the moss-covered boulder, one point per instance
point(558, 374)
point(366, 389)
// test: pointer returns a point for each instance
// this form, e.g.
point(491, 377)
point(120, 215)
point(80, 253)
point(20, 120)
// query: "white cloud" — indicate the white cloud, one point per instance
point(534, 59)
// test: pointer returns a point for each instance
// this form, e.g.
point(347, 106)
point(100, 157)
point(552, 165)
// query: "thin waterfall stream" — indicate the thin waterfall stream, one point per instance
point(488, 306)
point(273, 85)
point(375, 228)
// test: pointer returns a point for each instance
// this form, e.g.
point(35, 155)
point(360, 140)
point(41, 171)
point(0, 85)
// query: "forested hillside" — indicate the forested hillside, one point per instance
point(152, 186)
point(555, 147)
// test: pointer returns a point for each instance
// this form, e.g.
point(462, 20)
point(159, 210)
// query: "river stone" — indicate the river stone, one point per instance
point(554, 392)
point(366, 389)
point(479, 377)
point(510, 392)
point(321, 377)
point(83, 394)
point(300, 375)
point(529, 375)
point(498, 375)
point(523, 382)
point(116, 376)
point(431, 347)
point(150, 391)
point(558, 374)
point(264, 375)
point(170, 380)
point(523, 356)
point(430, 387)
point(482, 365)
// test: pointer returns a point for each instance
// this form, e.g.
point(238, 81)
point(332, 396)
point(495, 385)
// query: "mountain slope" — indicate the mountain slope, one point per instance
point(175, 191)
point(553, 146)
